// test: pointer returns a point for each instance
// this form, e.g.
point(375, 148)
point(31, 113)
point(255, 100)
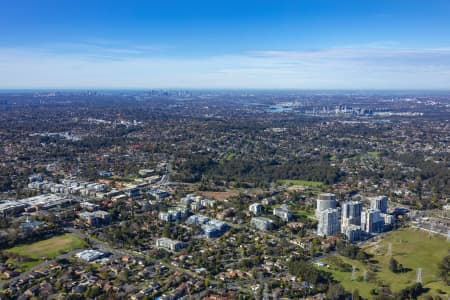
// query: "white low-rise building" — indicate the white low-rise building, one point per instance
point(262, 223)
point(255, 208)
point(90, 255)
point(283, 212)
point(169, 244)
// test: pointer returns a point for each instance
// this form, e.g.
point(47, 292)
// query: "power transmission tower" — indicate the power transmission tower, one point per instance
point(389, 251)
point(353, 273)
point(419, 275)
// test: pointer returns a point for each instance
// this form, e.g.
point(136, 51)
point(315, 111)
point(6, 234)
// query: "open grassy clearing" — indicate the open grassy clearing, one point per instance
point(301, 182)
point(230, 156)
point(303, 213)
point(412, 248)
point(123, 179)
point(367, 155)
point(374, 154)
point(48, 248)
point(221, 196)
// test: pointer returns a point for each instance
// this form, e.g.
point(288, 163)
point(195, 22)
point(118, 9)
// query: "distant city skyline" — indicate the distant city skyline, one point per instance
point(225, 44)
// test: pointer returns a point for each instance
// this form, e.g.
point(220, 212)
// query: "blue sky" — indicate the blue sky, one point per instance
point(302, 44)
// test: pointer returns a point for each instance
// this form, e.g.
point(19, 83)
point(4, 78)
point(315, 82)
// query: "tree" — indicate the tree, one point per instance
point(361, 255)
point(305, 270)
point(393, 265)
point(411, 292)
point(92, 292)
point(336, 292)
point(355, 295)
point(444, 269)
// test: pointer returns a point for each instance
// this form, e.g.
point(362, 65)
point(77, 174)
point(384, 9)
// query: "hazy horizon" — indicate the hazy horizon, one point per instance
point(345, 45)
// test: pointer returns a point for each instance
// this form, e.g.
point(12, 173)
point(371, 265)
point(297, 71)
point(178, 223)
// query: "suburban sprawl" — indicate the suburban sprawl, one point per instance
point(175, 194)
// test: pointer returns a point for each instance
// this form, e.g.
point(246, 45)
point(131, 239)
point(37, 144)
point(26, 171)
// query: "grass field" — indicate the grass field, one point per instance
point(49, 248)
point(374, 154)
point(123, 179)
point(301, 182)
point(303, 213)
point(368, 155)
point(413, 249)
point(230, 156)
point(220, 195)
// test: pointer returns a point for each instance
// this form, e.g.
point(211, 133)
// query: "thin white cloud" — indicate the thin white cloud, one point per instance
point(107, 65)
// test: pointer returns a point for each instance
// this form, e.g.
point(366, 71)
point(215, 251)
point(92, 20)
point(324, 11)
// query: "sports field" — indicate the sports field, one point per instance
point(48, 248)
point(301, 182)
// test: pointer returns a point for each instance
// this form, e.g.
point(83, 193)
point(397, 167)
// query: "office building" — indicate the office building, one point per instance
point(214, 228)
point(197, 220)
point(95, 218)
point(169, 244)
point(90, 255)
point(158, 194)
point(282, 212)
point(262, 223)
point(255, 208)
point(132, 192)
point(11, 207)
point(31, 204)
point(211, 231)
point(173, 214)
